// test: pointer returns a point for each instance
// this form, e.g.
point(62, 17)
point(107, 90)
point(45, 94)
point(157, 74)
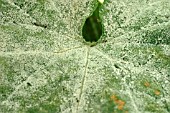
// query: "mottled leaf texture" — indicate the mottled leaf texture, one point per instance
point(47, 67)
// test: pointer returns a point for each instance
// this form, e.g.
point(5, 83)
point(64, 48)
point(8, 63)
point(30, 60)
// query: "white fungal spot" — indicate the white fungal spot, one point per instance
point(101, 1)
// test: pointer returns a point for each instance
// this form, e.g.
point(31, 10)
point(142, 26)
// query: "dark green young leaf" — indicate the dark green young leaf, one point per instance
point(92, 29)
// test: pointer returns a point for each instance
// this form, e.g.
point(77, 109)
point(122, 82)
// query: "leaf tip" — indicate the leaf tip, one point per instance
point(101, 1)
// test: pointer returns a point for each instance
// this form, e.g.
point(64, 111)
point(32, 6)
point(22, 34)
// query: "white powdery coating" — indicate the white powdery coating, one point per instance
point(56, 61)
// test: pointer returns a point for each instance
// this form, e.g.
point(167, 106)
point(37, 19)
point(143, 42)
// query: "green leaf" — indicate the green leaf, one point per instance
point(46, 66)
point(92, 29)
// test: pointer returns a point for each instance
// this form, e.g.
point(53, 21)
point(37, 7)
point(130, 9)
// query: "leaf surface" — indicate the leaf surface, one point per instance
point(47, 67)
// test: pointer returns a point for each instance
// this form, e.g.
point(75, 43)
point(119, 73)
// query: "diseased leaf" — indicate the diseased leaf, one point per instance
point(47, 67)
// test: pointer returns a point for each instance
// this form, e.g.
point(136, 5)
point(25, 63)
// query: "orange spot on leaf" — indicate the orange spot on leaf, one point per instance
point(113, 97)
point(147, 84)
point(157, 92)
point(120, 103)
